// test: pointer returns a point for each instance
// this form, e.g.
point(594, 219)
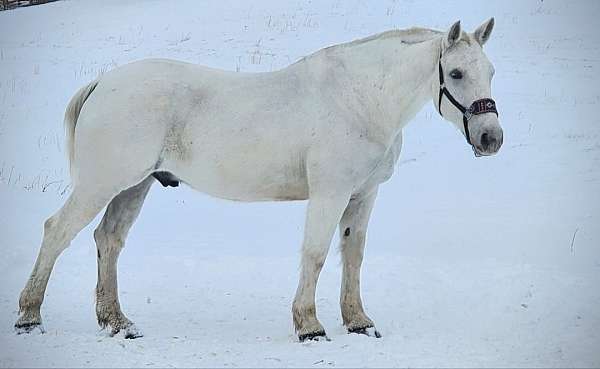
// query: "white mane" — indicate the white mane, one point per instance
point(412, 35)
point(409, 36)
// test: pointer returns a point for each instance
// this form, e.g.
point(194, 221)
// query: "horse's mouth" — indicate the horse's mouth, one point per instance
point(479, 152)
point(475, 151)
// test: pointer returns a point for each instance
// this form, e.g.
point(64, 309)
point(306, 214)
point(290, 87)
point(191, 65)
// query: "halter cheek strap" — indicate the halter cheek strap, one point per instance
point(480, 106)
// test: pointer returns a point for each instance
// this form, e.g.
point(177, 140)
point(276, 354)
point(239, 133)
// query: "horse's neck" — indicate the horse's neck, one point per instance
point(392, 80)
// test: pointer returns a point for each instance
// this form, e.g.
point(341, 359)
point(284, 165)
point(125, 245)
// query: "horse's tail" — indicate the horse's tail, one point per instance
point(71, 116)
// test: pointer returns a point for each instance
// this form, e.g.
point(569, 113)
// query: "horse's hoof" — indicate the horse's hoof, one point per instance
point(28, 327)
point(130, 332)
point(367, 331)
point(313, 336)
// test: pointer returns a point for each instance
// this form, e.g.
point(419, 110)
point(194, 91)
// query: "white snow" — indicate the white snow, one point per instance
point(470, 262)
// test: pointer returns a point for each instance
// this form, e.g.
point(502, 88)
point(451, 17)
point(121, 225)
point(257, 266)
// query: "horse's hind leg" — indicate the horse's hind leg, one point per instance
point(80, 208)
point(110, 238)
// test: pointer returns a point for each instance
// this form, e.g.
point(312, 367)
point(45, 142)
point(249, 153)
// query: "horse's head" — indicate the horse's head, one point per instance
point(462, 93)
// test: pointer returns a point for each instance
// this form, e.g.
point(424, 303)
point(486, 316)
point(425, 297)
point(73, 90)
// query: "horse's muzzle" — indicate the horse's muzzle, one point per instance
point(488, 141)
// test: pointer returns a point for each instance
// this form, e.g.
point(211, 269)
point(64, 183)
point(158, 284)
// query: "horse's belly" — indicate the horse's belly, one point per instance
point(248, 187)
point(247, 176)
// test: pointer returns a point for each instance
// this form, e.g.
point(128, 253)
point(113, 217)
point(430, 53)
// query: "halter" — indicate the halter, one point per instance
point(481, 106)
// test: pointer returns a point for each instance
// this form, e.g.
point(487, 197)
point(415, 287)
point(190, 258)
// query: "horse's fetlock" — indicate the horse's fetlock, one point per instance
point(111, 315)
point(29, 302)
point(303, 314)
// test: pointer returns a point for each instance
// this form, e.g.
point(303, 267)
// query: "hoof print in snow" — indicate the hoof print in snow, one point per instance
point(371, 332)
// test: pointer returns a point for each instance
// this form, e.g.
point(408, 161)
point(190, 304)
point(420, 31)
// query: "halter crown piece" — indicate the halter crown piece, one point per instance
point(481, 106)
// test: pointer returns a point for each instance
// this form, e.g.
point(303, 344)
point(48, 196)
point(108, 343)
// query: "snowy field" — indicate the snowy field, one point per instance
point(470, 262)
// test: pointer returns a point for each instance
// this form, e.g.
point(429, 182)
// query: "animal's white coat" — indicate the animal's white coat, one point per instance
point(327, 128)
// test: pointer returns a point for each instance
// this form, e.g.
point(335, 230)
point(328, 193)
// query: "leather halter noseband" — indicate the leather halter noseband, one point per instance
point(481, 106)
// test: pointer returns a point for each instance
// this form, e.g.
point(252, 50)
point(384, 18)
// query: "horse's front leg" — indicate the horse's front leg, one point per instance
point(353, 230)
point(323, 214)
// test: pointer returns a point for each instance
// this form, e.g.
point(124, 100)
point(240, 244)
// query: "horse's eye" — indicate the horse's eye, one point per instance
point(456, 74)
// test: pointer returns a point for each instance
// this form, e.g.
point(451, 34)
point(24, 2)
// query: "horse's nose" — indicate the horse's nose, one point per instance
point(491, 141)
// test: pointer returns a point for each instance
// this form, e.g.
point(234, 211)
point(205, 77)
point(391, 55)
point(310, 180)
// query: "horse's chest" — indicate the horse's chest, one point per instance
point(386, 165)
point(383, 171)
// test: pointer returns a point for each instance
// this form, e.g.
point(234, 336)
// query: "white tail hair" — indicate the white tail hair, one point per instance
point(71, 116)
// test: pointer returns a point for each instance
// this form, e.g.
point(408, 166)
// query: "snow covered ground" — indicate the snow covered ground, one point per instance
point(470, 262)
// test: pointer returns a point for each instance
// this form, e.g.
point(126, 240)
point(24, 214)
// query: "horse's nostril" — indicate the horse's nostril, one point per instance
point(485, 141)
point(490, 142)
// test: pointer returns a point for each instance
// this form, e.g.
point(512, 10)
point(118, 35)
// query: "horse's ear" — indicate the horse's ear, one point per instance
point(453, 34)
point(482, 34)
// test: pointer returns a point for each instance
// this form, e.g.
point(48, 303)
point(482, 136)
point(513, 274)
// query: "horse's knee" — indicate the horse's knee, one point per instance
point(317, 261)
point(315, 256)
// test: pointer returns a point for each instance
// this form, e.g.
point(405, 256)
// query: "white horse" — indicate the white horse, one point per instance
point(327, 129)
